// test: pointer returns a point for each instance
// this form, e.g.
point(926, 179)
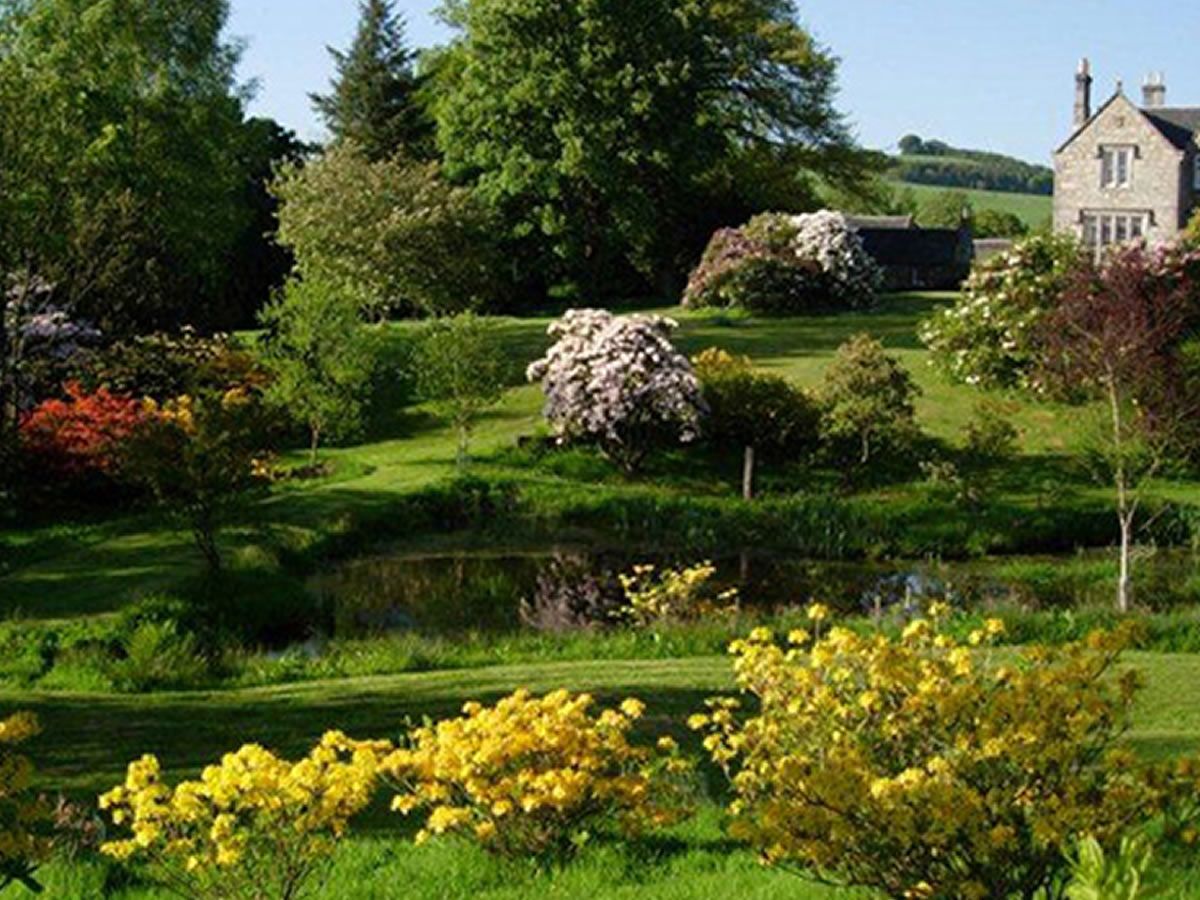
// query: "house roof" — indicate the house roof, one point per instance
point(900, 223)
point(1178, 124)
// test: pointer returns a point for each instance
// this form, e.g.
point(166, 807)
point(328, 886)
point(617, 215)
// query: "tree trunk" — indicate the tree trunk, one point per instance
point(464, 443)
point(314, 443)
point(748, 474)
point(1124, 580)
point(1126, 506)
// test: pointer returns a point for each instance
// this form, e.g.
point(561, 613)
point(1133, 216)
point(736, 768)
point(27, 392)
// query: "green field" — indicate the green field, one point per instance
point(1032, 209)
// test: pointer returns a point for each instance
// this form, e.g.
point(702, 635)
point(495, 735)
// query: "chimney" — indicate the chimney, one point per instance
point(1083, 93)
point(1154, 91)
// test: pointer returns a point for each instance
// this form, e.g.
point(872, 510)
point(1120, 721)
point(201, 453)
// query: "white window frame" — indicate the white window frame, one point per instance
point(1104, 228)
point(1116, 165)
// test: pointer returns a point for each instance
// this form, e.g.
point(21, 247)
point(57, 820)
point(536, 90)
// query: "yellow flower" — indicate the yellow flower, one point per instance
point(525, 774)
point(818, 612)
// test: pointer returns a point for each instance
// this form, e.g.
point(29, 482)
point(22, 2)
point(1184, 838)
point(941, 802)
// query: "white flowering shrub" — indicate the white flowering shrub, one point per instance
point(825, 237)
point(989, 338)
point(618, 381)
point(782, 264)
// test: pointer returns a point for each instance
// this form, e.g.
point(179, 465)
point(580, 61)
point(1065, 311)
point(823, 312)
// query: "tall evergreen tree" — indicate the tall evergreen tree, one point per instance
point(375, 101)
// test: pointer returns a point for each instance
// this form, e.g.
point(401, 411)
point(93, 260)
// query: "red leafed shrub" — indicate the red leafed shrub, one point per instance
point(82, 435)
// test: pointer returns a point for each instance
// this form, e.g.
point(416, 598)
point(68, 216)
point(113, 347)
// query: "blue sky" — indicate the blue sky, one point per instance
point(992, 75)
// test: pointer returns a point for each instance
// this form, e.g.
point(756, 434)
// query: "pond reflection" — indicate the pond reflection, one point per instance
point(568, 588)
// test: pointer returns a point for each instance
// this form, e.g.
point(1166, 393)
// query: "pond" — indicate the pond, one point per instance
point(561, 588)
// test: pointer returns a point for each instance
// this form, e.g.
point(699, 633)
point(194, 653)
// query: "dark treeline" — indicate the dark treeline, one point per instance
point(937, 163)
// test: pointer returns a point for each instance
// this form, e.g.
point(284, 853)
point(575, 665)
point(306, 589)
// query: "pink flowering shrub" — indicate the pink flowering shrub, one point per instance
point(618, 381)
point(780, 264)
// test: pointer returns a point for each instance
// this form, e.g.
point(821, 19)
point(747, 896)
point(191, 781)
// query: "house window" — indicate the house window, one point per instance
point(1116, 166)
point(1196, 175)
point(1105, 229)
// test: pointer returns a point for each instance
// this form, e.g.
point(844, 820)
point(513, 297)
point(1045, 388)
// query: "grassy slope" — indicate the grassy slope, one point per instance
point(66, 571)
point(1033, 209)
point(89, 739)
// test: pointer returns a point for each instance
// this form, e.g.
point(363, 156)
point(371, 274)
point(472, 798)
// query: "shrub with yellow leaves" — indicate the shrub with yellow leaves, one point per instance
point(24, 819)
point(674, 595)
point(922, 767)
point(535, 776)
point(254, 826)
point(199, 456)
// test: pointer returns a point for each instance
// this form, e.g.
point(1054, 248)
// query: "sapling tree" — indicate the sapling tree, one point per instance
point(461, 368)
point(200, 456)
point(868, 398)
point(320, 357)
point(1116, 337)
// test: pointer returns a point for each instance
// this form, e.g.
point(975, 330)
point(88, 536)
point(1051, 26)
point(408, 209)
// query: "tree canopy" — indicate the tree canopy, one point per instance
point(119, 166)
point(611, 134)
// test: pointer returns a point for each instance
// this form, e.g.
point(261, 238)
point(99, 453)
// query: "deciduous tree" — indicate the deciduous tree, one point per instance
point(391, 234)
point(607, 133)
point(119, 178)
point(1117, 336)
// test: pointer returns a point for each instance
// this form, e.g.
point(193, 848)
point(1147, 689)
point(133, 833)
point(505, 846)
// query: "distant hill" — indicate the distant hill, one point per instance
point(937, 163)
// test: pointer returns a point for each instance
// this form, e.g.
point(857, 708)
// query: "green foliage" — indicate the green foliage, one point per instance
point(990, 336)
point(320, 358)
point(1096, 875)
point(462, 369)
point(120, 175)
point(391, 234)
point(158, 656)
point(1191, 234)
point(946, 209)
point(165, 366)
point(749, 408)
point(867, 398)
point(1035, 210)
point(610, 135)
point(374, 100)
point(995, 223)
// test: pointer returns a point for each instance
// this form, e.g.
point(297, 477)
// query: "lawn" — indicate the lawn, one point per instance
point(95, 566)
point(1032, 209)
point(88, 740)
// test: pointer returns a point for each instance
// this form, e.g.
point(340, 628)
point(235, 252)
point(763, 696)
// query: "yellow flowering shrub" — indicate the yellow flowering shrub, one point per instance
point(254, 826)
point(673, 595)
point(535, 775)
point(24, 819)
point(922, 767)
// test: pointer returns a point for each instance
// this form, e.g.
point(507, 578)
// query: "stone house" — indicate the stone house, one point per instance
point(1127, 172)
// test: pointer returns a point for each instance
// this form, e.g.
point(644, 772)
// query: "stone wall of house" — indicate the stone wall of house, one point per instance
point(1155, 181)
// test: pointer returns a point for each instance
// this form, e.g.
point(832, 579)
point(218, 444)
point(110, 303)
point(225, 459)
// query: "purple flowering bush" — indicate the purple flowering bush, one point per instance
point(618, 382)
point(783, 265)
